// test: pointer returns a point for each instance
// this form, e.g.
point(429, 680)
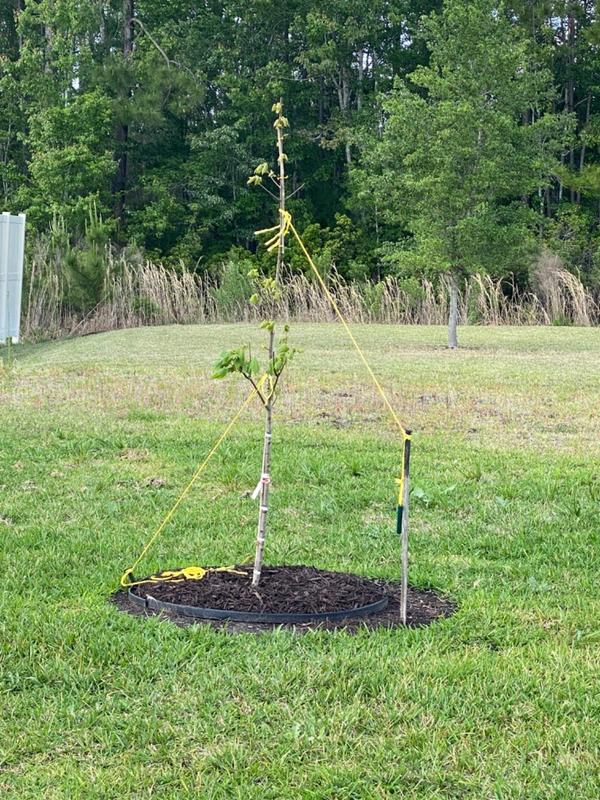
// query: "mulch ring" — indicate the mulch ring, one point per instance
point(289, 589)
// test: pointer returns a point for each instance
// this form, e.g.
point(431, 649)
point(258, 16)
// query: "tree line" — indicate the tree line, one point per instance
point(424, 136)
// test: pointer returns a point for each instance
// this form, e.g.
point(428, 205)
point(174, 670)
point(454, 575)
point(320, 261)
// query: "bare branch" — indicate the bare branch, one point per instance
point(169, 61)
point(256, 387)
point(275, 382)
point(268, 191)
point(296, 190)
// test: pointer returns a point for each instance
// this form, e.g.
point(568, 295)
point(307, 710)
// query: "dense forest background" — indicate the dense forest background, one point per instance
point(425, 138)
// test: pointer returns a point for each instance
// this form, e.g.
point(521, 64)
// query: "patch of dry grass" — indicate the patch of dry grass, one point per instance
point(534, 387)
point(531, 386)
point(150, 294)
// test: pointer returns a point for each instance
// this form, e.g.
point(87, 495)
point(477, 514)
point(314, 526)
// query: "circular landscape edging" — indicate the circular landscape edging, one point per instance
point(425, 605)
point(265, 617)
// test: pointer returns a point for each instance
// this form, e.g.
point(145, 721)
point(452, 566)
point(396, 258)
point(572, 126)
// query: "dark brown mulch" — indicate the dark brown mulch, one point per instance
point(292, 589)
point(281, 589)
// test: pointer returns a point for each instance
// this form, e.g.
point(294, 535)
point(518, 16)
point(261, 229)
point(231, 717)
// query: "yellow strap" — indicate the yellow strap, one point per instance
point(180, 575)
point(286, 225)
point(282, 231)
point(400, 481)
point(195, 476)
point(331, 298)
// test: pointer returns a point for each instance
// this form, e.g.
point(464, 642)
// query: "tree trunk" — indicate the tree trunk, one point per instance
point(343, 92)
point(48, 39)
point(122, 176)
point(281, 161)
point(588, 108)
point(570, 89)
point(265, 476)
point(453, 312)
point(19, 8)
point(361, 70)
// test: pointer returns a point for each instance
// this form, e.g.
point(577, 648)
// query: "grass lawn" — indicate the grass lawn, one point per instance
point(97, 437)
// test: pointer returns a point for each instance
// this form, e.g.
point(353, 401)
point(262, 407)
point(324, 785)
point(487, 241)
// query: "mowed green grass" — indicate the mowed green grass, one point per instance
point(99, 435)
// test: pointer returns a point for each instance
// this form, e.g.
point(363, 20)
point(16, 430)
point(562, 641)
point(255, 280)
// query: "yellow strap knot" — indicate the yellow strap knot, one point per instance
point(178, 575)
point(282, 229)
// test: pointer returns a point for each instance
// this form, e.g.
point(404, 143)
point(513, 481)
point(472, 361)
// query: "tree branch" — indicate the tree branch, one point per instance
point(268, 191)
point(296, 190)
point(256, 387)
point(168, 61)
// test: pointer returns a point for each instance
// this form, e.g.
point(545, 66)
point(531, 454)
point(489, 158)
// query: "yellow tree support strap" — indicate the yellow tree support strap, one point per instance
point(403, 430)
point(282, 229)
point(198, 571)
point(181, 575)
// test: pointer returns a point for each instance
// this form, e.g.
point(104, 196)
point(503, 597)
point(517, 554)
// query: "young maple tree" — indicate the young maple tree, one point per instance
point(265, 381)
point(240, 361)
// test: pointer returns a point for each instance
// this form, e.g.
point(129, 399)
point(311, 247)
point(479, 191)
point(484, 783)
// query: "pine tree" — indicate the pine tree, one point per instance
point(456, 164)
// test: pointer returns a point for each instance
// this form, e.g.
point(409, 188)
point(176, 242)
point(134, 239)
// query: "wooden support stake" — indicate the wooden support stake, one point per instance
point(404, 531)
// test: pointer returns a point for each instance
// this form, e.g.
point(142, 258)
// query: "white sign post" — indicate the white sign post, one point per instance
point(12, 247)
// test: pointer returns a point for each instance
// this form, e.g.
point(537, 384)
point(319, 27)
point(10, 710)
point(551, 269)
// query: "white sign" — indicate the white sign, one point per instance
point(12, 247)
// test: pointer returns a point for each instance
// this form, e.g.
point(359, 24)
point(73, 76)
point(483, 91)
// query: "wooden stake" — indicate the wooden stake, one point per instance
point(404, 531)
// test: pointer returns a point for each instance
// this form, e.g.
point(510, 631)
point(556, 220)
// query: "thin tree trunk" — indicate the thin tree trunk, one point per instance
point(321, 102)
point(342, 85)
point(582, 153)
point(361, 70)
point(570, 89)
point(281, 161)
point(20, 7)
point(453, 312)
point(265, 477)
point(48, 38)
point(122, 176)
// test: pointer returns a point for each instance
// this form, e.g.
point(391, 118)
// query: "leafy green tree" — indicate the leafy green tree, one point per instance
point(71, 162)
point(566, 35)
point(456, 165)
point(351, 49)
point(156, 112)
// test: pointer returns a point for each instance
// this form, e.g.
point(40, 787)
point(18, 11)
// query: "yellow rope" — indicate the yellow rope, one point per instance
point(125, 577)
point(286, 225)
point(290, 226)
point(197, 573)
point(181, 575)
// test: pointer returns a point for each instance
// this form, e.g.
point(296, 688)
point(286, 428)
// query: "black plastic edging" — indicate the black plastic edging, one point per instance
point(257, 617)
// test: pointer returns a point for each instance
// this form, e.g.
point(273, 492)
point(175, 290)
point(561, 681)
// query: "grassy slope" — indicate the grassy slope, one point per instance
point(500, 701)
